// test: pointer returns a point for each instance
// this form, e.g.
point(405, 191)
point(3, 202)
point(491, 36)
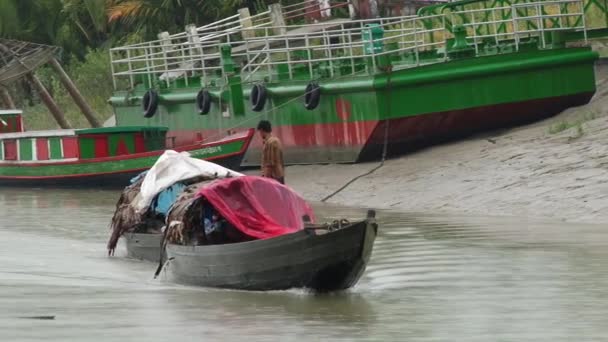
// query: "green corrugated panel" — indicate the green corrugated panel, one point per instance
point(87, 147)
point(55, 148)
point(114, 139)
point(25, 149)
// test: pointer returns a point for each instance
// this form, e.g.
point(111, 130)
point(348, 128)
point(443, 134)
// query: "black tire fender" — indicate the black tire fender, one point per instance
point(258, 97)
point(312, 96)
point(203, 101)
point(150, 103)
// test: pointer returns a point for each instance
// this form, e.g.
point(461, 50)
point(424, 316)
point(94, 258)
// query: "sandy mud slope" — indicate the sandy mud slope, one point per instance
point(556, 168)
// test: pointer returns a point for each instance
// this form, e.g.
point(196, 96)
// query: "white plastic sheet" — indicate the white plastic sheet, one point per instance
point(172, 167)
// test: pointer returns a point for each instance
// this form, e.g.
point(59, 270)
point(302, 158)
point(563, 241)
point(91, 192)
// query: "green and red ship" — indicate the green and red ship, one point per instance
point(343, 89)
point(96, 157)
point(338, 90)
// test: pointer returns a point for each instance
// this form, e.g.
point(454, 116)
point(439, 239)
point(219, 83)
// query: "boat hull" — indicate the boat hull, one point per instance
point(423, 105)
point(411, 133)
point(143, 246)
point(116, 172)
point(328, 262)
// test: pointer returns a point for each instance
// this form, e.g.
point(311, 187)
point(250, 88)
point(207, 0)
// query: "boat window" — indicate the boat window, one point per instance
point(10, 149)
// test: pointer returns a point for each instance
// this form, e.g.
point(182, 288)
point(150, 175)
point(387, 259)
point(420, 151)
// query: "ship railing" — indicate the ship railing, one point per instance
point(340, 47)
point(176, 55)
point(549, 16)
point(520, 20)
point(333, 46)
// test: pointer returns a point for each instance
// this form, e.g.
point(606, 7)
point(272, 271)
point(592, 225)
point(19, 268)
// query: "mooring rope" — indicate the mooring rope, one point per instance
point(384, 147)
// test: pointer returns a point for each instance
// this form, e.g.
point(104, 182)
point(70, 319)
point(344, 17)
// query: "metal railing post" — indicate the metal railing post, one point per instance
point(288, 59)
point(130, 69)
point(112, 69)
point(541, 26)
point(308, 53)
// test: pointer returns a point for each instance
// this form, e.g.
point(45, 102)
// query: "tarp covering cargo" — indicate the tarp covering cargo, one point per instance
point(172, 167)
point(259, 207)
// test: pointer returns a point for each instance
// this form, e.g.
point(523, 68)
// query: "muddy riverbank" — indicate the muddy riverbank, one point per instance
point(556, 168)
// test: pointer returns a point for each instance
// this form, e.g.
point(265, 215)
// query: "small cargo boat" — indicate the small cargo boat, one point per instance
point(320, 258)
point(270, 240)
point(214, 227)
point(96, 157)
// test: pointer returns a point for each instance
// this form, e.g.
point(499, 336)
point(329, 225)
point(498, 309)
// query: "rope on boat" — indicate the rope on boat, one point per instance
point(384, 147)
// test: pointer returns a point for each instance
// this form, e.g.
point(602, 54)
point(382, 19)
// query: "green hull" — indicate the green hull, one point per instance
point(352, 109)
point(115, 171)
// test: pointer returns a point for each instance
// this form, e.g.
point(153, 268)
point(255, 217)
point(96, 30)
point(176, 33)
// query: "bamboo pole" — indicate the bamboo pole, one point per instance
point(86, 110)
point(48, 101)
point(6, 98)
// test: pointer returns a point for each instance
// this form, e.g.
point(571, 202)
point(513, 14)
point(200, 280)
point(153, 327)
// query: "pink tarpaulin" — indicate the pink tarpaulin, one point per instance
point(259, 207)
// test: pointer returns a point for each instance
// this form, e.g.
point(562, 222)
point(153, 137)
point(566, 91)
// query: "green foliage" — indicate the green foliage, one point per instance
point(94, 80)
point(85, 30)
point(578, 124)
point(8, 18)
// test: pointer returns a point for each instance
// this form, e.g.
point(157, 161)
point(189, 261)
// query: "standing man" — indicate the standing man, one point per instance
point(272, 153)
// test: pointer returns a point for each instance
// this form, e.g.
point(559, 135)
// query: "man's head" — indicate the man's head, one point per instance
point(264, 128)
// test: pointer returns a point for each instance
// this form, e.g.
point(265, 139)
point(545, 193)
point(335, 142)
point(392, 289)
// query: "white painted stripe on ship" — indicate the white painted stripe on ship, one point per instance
point(34, 149)
point(1, 149)
point(48, 148)
point(18, 145)
point(61, 146)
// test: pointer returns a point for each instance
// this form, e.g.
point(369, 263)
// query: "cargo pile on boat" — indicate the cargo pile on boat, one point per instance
point(219, 228)
point(185, 215)
point(144, 204)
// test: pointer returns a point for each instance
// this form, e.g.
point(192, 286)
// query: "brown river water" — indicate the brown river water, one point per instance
point(431, 278)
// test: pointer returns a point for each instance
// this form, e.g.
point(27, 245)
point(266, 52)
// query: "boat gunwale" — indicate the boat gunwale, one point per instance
point(255, 245)
point(247, 137)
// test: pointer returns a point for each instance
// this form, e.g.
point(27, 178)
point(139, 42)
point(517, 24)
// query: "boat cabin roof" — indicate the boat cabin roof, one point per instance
point(10, 111)
point(121, 129)
point(38, 134)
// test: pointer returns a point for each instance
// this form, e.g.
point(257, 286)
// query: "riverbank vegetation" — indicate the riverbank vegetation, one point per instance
point(86, 30)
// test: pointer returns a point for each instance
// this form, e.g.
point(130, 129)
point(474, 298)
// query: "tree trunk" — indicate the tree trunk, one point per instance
point(88, 112)
point(6, 98)
point(49, 102)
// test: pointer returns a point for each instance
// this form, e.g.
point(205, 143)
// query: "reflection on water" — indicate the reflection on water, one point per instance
point(430, 278)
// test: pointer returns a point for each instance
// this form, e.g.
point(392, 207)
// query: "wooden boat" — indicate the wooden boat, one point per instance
point(317, 258)
point(238, 232)
point(96, 157)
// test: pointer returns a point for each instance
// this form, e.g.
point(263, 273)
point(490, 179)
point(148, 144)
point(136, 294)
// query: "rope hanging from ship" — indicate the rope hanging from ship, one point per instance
point(314, 88)
point(389, 71)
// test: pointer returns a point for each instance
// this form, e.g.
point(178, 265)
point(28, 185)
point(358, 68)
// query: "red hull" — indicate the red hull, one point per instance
point(410, 133)
point(363, 140)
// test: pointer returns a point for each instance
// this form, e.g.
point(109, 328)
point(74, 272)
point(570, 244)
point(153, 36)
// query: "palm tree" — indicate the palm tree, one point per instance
point(89, 19)
point(152, 16)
